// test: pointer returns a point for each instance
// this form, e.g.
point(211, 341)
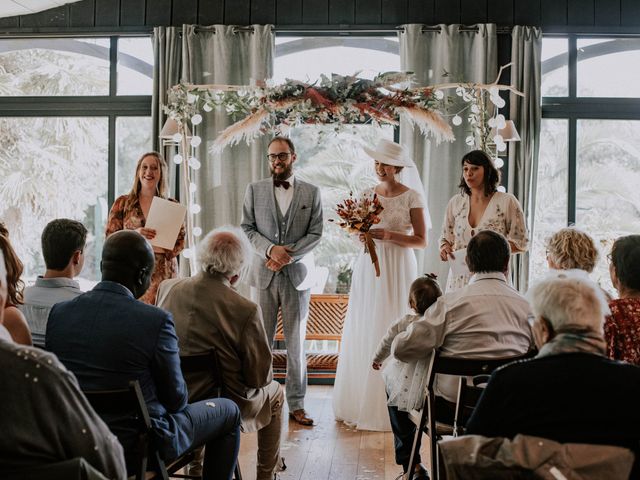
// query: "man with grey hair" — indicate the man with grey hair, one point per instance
point(209, 313)
point(570, 392)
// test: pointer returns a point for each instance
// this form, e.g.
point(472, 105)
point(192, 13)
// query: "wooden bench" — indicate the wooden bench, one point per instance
point(325, 322)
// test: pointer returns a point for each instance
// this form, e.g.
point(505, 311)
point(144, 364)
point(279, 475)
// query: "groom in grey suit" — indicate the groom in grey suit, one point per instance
point(282, 216)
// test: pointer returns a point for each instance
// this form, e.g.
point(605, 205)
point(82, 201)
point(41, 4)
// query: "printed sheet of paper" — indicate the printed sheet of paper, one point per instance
point(458, 264)
point(165, 218)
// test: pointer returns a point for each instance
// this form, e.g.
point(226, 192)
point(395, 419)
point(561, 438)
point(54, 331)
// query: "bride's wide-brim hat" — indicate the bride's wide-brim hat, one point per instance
point(389, 153)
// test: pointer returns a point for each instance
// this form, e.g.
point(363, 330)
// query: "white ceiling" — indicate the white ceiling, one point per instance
point(9, 8)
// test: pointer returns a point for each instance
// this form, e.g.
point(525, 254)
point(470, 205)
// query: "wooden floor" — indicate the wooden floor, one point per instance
point(329, 450)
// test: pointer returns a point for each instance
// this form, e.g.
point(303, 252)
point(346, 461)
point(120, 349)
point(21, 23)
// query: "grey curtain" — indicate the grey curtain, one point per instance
point(223, 54)
point(167, 62)
point(470, 56)
point(526, 113)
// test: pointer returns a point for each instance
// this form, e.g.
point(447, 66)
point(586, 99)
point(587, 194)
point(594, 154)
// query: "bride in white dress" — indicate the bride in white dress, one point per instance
point(359, 397)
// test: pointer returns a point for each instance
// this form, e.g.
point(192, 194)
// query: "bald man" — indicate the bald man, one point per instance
point(107, 338)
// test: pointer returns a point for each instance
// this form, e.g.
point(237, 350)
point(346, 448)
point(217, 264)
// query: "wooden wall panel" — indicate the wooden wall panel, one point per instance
point(447, 11)
point(500, 12)
point(368, 12)
point(107, 13)
point(315, 12)
point(606, 12)
point(10, 22)
point(393, 12)
point(421, 11)
point(473, 11)
point(263, 12)
point(342, 12)
point(527, 13)
point(81, 14)
point(158, 13)
point(55, 17)
point(580, 12)
point(288, 12)
point(237, 12)
point(132, 12)
point(184, 11)
point(630, 12)
point(553, 12)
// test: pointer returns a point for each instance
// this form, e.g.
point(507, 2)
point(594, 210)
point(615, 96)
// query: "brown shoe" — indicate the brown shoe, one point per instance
point(301, 417)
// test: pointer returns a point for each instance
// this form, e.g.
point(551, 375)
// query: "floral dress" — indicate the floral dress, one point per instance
point(166, 263)
point(503, 215)
point(622, 330)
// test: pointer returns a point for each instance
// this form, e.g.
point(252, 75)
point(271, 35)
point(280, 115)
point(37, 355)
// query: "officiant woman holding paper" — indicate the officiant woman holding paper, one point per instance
point(479, 206)
point(129, 212)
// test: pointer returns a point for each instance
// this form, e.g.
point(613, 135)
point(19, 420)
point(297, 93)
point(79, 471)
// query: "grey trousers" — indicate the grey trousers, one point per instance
point(295, 309)
point(269, 436)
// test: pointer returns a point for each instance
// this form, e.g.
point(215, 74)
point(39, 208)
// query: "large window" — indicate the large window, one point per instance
point(74, 118)
point(589, 147)
point(335, 161)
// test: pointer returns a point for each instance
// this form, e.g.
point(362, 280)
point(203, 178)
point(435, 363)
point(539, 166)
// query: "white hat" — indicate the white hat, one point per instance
point(389, 153)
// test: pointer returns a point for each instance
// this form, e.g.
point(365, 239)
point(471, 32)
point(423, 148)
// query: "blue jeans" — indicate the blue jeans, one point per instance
point(215, 427)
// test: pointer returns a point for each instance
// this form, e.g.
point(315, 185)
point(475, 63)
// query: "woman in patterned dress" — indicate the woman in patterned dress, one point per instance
point(129, 212)
point(622, 327)
point(480, 206)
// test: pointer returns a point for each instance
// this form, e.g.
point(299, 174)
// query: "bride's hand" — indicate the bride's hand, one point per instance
point(381, 233)
point(446, 251)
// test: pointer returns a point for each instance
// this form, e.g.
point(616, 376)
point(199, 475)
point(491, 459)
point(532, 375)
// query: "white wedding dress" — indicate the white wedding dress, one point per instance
point(359, 397)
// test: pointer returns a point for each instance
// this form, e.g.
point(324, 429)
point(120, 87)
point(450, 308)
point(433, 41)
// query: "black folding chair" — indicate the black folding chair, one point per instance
point(129, 407)
point(462, 367)
point(207, 363)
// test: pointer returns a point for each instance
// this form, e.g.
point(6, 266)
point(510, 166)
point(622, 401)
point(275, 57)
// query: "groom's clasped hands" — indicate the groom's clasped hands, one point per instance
point(278, 258)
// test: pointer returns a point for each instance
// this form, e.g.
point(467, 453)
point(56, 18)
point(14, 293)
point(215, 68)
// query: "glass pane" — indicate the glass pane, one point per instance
point(608, 67)
point(54, 167)
point(336, 163)
point(551, 193)
point(608, 196)
point(555, 71)
point(54, 66)
point(307, 58)
point(133, 138)
point(135, 66)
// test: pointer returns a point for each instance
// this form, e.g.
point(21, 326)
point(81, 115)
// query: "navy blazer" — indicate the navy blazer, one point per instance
point(106, 338)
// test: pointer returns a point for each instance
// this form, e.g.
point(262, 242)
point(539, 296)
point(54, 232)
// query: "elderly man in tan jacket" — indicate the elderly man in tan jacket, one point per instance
point(208, 312)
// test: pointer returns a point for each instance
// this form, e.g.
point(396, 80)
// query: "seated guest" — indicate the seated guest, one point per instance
point(622, 327)
point(485, 319)
point(54, 422)
point(63, 243)
point(570, 392)
point(14, 320)
point(571, 249)
point(209, 313)
point(108, 338)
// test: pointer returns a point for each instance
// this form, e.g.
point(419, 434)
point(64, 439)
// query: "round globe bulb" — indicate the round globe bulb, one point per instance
point(177, 159)
point(196, 119)
point(195, 141)
point(456, 120)
point(197, 231)
point(501, 189)
point(498, 162)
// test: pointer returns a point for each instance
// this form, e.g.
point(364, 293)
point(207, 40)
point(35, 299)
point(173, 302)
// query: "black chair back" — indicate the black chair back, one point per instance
point(206, 362)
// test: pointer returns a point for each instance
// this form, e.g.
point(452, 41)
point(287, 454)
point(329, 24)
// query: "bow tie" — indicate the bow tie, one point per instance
point(281, 183)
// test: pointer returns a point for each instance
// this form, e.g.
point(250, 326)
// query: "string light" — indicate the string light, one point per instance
point(177, 159)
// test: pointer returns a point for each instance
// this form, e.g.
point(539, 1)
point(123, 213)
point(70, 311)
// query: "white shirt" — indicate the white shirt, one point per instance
point(485, 319)
point(284, 196)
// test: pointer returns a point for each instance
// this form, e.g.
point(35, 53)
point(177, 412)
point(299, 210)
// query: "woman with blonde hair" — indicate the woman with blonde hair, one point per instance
point(129, 212)
point(571, 249)
point(14, 320)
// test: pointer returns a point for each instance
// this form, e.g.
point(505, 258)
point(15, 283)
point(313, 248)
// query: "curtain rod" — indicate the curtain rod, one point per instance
point(349, 29)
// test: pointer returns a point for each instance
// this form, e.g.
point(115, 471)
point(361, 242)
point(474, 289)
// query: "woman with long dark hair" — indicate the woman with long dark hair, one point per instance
point(480, 206)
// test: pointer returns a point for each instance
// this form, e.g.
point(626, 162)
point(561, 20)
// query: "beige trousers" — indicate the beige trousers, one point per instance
point(269, 436)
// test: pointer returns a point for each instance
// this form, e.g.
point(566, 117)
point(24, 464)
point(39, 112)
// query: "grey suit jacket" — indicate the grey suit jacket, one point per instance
point(302, 232)
point(209, 313)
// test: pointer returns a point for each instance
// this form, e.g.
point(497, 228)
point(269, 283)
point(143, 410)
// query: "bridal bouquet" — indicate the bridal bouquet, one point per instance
point(358, 216)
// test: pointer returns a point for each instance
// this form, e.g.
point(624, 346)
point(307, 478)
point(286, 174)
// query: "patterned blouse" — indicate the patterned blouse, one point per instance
point(622, 330)
point(166, 263)
point(503, 215)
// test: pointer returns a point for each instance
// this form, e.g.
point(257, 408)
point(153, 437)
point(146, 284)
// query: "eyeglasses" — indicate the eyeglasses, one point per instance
point(282, 156)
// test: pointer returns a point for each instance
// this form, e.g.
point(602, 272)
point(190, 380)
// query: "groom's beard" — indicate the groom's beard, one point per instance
point(284, 175)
